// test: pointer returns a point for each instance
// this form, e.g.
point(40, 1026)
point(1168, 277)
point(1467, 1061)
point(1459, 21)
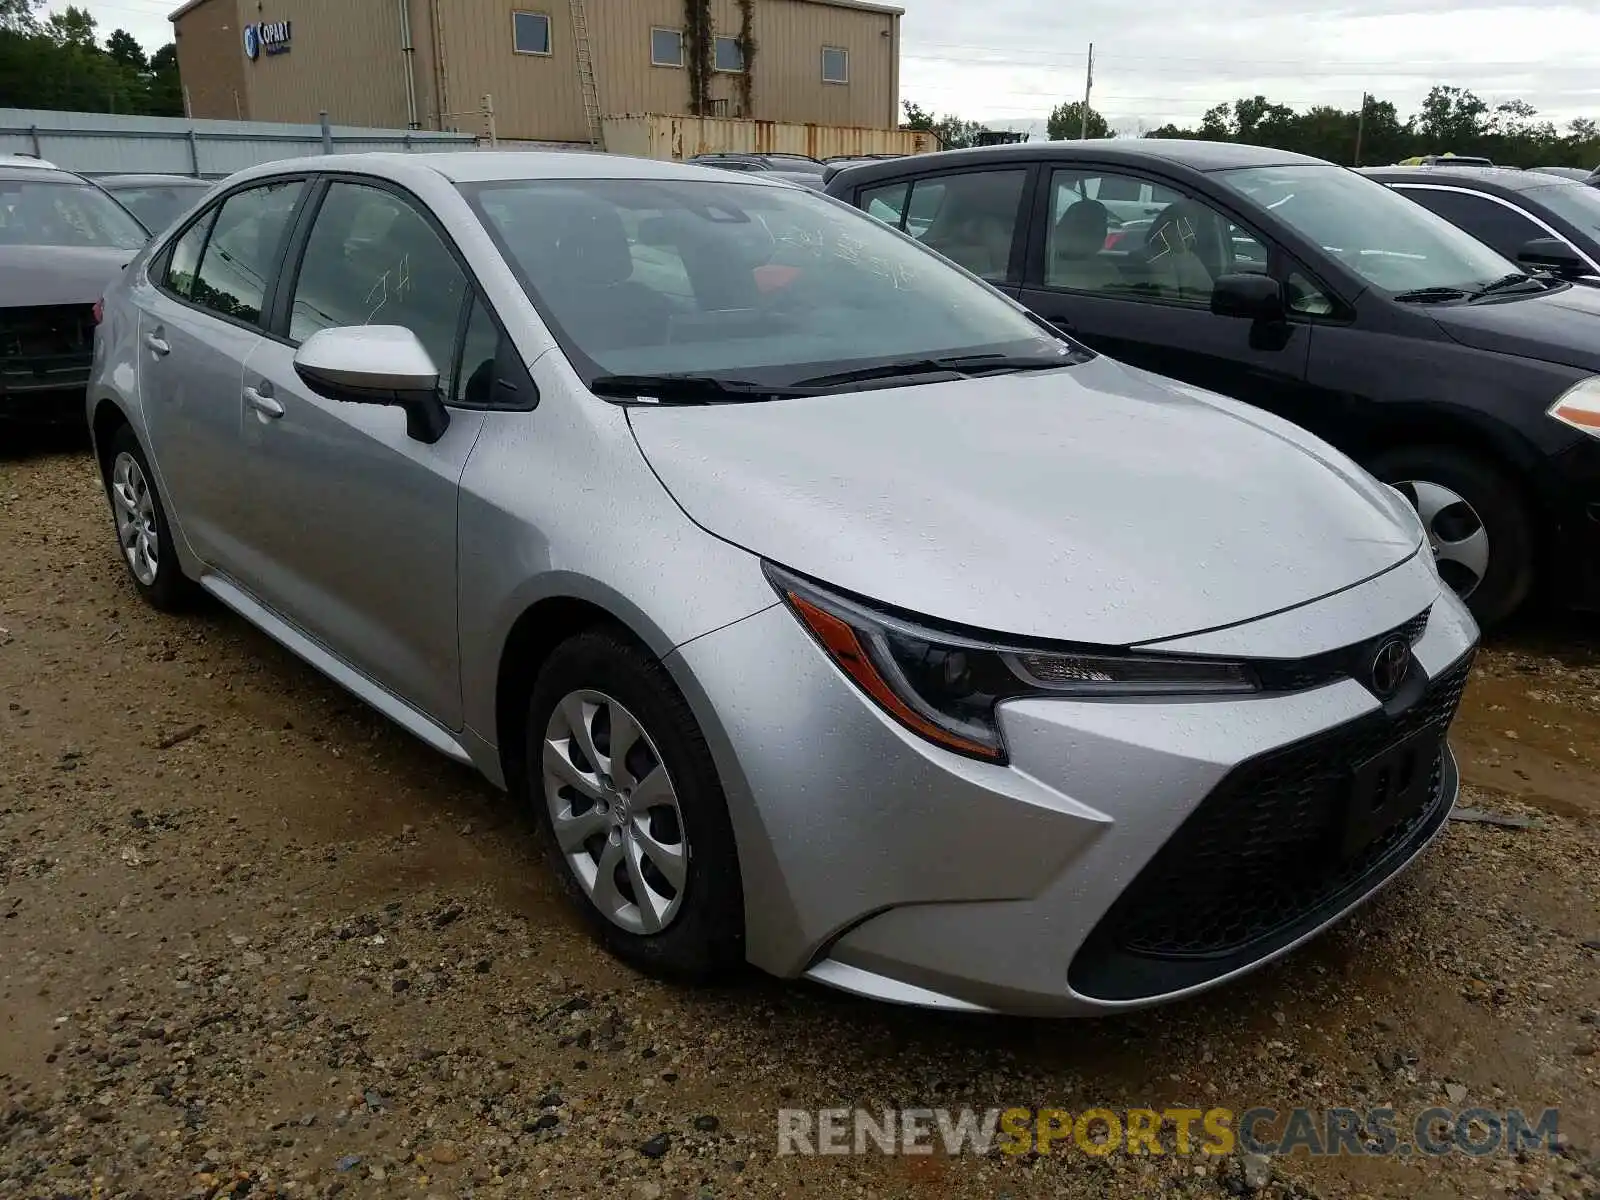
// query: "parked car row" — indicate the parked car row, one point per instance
point(834, 611)
point(1322, 296)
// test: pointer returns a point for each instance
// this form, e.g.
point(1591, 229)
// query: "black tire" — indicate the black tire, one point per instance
point(705, 940)
point(171, 590)
point(1499, 503)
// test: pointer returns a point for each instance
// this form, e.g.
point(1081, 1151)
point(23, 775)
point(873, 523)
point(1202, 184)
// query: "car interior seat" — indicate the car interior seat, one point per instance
point(1076, 250)
point(1181, 254)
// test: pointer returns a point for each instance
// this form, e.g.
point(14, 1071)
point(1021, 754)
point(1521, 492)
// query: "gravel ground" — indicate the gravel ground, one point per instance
point(254, 940)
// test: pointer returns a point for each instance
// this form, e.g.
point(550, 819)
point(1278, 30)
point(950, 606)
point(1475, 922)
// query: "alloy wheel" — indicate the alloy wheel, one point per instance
point(615, 812)
point(134, 507)
point(1456, 533)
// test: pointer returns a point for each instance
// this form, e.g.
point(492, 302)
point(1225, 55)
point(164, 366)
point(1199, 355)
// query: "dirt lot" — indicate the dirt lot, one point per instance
point(255, 940)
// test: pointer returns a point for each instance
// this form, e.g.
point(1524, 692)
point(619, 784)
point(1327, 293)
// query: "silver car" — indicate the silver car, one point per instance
point(834, 614)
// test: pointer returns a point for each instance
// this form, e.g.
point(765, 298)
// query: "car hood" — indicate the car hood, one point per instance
point(1562, 326)
point(41, 275)
point(1096, 504)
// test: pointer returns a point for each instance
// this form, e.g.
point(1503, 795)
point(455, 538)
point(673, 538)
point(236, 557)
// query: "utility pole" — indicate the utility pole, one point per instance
point(1088, 86)
point(1361, 124)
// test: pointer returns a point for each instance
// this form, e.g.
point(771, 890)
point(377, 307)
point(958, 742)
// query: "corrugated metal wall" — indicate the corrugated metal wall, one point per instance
point(787, 77)
point(211, 60)
point(346, 57)
point(103, 144)
point(535, 96)
point(674, 137)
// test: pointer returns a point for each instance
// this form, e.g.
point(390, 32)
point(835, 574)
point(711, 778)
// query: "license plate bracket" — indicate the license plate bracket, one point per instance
point(1391, 786)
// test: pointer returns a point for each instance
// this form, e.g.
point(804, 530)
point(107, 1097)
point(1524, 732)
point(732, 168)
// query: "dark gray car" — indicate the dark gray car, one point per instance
point(62, 240)
point(157, 200)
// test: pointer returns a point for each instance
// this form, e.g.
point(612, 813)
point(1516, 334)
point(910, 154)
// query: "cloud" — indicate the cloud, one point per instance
point(1163, 60)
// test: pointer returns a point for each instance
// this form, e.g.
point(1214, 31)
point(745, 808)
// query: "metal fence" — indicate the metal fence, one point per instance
point(108, 144)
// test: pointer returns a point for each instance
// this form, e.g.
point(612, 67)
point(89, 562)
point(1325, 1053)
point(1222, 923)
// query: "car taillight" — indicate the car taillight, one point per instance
point(99, 310)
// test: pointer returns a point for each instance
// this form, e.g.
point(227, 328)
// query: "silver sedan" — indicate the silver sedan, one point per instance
point(834, 614)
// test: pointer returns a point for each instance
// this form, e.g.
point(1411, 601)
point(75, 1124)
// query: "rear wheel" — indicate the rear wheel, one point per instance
point(637, 826)
point(1477, 524)
point(143, 535)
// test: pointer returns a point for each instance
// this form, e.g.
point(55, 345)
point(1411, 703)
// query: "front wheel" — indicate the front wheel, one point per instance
point(1477, 525)
point(636, 822)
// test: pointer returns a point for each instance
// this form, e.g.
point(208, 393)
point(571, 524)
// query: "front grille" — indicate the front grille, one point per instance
point(46, 347)
point(1258, 862)
point(1350, 662)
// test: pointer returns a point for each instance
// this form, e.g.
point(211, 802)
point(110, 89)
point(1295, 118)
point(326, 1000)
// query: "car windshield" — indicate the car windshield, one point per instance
point(774, 285)
point(40, 213)
point(1574, 202)
point(1393, 243)
point(157, 205)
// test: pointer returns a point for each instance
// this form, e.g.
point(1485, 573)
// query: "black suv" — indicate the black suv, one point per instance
point(1306, 289)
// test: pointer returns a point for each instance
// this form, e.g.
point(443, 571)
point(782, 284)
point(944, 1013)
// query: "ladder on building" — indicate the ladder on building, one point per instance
point(586, 84)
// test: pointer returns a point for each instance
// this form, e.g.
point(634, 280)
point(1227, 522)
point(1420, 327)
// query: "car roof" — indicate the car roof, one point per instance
point(26, 160)
point(1506, 178)
point(151, 180)
point(32, 172)
point(1195, 155)
point(488, 166)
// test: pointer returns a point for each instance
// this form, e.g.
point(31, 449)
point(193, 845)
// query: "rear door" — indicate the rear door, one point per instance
point(1139, 288)
point(198, 321)
point(358, 543)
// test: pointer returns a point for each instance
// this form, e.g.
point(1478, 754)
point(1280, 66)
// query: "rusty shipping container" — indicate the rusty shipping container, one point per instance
point(667, 136)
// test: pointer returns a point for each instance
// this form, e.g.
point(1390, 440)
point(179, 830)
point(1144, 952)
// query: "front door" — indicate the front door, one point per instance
point(355, 532)
point(1138, 288)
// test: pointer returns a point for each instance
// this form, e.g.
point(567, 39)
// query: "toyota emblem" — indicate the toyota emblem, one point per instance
point(1389, 666)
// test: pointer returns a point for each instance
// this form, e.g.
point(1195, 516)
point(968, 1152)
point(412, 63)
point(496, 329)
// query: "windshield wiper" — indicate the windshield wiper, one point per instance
point(688, 389)
point(1505, 282)
point(1430, 295)
point(956, 364)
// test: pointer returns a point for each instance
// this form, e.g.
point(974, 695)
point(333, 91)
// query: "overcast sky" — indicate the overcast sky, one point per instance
point(1002, 61)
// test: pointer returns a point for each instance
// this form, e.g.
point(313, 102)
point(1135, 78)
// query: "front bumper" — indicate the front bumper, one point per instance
point(878, 863)
point(47, 391)
point(1572, 484)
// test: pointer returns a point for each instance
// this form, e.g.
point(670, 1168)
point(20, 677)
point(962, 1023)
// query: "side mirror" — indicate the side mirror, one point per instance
point(376, 364)
point(1254, 297)
point(1553, 255)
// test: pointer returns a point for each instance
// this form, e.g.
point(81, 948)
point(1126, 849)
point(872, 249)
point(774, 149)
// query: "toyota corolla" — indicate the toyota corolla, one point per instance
point(834, 614)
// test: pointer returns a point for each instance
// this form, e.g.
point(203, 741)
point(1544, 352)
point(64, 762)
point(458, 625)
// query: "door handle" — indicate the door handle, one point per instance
point(262, 403)
point(157, 343)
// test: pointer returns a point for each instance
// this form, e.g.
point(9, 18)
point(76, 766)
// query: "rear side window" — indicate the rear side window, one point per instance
point(243, 251)
point(887, 203)
point(970, 218)
point(185, 260)
point(372, 259)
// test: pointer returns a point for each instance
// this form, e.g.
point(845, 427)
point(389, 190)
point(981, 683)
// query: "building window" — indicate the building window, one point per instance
point(835, 65)
point(530, 32)
point(729, 55)
point(666, 48)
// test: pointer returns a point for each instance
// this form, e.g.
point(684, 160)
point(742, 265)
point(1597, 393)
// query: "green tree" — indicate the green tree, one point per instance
point(17, 16)
point(952, 131)
point(1066, 122)
point(124, 49)
point(165, 88)
point(74, 27)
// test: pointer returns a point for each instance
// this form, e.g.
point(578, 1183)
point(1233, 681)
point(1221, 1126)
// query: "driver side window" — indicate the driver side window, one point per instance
point(1118, 235)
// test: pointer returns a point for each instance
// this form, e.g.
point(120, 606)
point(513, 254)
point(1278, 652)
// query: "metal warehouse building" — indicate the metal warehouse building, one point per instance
point(553, 68)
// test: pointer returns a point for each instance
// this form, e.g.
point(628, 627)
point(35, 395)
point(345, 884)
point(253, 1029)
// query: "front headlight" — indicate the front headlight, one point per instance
point(945, 686)
point(1579, 406)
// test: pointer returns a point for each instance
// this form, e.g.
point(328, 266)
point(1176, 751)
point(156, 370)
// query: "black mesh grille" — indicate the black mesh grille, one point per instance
point(63, 329)
point(1258, 861)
